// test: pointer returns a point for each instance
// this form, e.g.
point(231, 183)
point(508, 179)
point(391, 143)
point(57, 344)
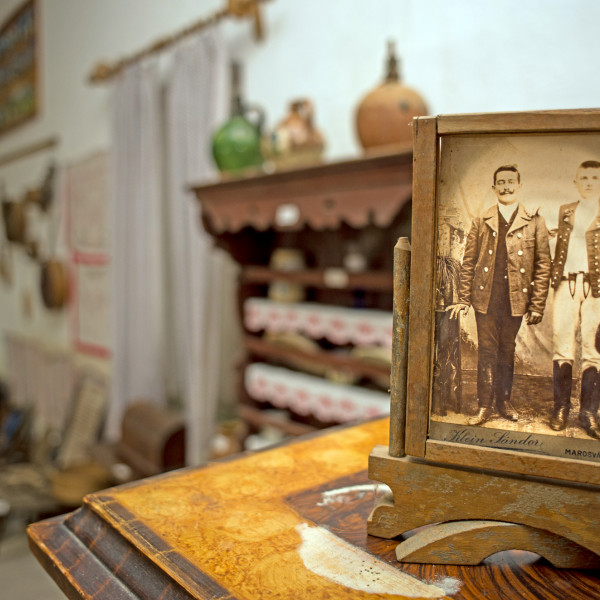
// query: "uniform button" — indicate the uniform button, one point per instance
point(525, 290)
point(480, 287)
point(506, 277)
point(519, 235)
point(532, 283)
point(490, 252)
point(520, 252)
point(493, 233)
point(486, 269)
point(522, 270)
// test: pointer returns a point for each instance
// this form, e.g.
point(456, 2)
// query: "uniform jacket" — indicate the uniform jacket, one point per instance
point(565, 227)
point(528, 262)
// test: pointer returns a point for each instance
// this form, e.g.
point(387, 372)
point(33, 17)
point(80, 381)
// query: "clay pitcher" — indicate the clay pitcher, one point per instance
point(296, 141)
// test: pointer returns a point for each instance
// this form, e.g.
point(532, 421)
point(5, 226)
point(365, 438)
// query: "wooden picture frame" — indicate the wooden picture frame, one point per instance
point(19, 79)
point(435, 140)
point(461, 497)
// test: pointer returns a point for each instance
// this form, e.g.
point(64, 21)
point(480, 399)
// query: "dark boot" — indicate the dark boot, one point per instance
point(485, 394)
point(590, 398)
point(562, 378)
point(504, 382)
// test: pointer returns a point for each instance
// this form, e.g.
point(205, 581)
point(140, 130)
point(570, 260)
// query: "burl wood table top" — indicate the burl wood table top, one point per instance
point(287, 523)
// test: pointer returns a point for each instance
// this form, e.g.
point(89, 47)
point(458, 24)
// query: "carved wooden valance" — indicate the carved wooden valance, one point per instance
point(357, 192)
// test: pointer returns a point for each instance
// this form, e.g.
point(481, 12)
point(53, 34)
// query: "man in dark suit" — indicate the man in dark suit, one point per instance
point(576, 285)
point(504, 276)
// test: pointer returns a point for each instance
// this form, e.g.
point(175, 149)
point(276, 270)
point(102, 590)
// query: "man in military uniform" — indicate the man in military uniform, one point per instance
point(504, 276)
point(576, 285)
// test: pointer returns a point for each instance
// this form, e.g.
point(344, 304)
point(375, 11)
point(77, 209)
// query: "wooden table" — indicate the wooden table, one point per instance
point(287, 523)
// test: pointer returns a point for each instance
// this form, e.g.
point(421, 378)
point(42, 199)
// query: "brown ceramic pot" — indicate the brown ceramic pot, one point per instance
point(54, 284)
point(384, 116)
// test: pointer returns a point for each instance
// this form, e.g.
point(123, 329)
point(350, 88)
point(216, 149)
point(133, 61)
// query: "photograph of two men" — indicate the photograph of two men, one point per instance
point(517, 332)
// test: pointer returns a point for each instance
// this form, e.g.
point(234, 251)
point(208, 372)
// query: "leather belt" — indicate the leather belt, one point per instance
point(572, 279)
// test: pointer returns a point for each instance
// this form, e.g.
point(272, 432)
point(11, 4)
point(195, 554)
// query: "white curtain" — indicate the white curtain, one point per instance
point(138, 307)
point(197, 274)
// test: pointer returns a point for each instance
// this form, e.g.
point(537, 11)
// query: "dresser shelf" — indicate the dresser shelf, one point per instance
point(318, 360)
point(260, 418)
point(334, 278)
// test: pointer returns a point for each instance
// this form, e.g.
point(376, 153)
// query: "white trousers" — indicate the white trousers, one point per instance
point(570, 313)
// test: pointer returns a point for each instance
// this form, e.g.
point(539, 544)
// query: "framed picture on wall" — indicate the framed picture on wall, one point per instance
point(504, 340)
point(91, 299)
point(88, 226)
point(88, 205)
point(19, 95)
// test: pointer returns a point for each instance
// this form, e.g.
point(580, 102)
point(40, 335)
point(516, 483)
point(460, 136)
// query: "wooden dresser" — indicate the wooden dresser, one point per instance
point(317, 327)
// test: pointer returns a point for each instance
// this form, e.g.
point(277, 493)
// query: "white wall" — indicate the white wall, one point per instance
point(468, 56)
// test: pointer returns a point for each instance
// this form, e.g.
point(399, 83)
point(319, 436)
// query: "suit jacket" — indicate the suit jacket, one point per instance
point(528, 262)
point(565, 227)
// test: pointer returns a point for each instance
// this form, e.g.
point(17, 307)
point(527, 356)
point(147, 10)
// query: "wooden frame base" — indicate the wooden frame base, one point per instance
point(472, 514)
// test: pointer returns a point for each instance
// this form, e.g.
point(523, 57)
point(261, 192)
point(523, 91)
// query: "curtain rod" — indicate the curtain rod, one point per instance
point(27, 150)
point(249, 9)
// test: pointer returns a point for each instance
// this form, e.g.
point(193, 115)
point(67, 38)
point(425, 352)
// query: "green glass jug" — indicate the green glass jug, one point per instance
point(236, 145)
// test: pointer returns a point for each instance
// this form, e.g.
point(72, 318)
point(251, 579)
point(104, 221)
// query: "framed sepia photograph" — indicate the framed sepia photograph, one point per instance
point(504, 335)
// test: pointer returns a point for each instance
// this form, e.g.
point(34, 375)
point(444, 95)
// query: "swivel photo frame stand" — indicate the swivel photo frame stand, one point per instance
point(452, 502)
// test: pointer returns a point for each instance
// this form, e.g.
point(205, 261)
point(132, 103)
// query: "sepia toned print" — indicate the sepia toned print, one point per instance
point(517, 337)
